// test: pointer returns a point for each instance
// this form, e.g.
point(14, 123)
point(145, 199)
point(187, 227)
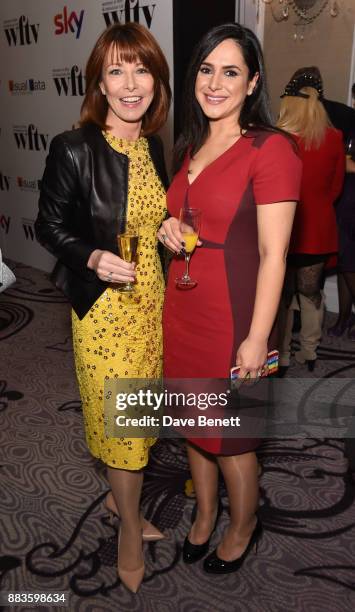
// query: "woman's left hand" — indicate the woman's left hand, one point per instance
point(251, 357)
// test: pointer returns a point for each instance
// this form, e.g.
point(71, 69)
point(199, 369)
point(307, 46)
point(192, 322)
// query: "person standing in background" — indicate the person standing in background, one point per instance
point(314, 234)
point(342, 118)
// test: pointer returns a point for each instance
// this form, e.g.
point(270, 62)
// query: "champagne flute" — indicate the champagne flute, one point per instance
point(190, 223)
point(127, 242)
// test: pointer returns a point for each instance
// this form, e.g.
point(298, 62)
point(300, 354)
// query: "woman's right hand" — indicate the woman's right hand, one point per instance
point(170, 236)
point(110, 268)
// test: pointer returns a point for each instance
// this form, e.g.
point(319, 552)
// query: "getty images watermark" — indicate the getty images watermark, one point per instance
point(143, 408)
point(271, 408)
point(140, 408)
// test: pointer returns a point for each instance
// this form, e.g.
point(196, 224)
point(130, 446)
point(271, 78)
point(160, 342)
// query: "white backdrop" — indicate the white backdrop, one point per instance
point(44, 46)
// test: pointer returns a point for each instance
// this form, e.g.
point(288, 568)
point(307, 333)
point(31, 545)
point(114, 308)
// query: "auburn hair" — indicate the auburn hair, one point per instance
point(130, 42)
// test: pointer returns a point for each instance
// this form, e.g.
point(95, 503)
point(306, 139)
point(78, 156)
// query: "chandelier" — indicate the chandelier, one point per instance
point(306, 12)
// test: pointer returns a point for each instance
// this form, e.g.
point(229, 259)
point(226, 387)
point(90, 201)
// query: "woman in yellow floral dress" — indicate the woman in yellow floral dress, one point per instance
point(113, 168)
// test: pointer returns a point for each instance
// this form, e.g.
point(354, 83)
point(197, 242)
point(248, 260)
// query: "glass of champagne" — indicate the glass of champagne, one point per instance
point(127, 242)
point(190, 224)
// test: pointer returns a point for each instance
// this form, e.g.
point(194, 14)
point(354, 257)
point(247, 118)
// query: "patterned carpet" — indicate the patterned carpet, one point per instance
point(56, 534)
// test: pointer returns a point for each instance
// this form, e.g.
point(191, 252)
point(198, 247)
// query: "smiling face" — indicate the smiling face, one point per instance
point(222, 83)
point(129, 90)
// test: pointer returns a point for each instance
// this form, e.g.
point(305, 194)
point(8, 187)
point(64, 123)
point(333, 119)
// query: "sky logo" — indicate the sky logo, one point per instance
point(66, 22)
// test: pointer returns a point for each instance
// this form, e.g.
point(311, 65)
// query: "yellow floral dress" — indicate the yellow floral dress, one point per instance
point(121, 335)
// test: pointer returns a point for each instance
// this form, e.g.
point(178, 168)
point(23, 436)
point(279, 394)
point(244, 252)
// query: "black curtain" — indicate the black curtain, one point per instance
point(192, 18)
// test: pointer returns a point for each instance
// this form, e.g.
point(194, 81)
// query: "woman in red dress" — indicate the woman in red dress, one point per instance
point(244, 176)
point(314, 235)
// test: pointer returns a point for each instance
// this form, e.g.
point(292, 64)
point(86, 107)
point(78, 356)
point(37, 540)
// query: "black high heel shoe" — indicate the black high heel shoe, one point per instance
point(311, 364)
point(214, 565)
point(281, 372)
point(194, 552)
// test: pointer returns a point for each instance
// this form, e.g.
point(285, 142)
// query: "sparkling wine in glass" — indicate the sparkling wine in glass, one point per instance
point(190, 224)
point(128, 246)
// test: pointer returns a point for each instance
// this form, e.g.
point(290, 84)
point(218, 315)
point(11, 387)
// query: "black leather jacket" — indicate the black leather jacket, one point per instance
point(84, 191)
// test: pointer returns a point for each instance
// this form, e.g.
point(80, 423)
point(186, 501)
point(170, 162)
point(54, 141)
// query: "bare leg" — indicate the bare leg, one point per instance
point(204, 471)
point(126, 488)
point(241, 478)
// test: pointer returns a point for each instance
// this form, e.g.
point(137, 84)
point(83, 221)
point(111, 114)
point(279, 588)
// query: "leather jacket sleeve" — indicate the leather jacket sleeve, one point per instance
point(55, 224)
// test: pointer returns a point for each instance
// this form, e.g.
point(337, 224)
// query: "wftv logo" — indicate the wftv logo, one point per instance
point(122, 11)
point(69, 81)
point(28, 228)
point(28, 185)
point(5, 223)
point(20, 31)
point(26, 87)
point(66, 22)
point(28, 138)
point(4, 182)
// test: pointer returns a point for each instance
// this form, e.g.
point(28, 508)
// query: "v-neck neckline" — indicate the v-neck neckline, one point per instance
point(213, 161)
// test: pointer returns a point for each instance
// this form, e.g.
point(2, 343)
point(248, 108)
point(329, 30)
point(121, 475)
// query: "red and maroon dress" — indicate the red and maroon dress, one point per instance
point(203, 327)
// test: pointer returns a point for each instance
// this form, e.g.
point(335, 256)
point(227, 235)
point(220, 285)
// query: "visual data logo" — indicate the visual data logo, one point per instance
point(69, 22)
point(28, 138)
point(122, 11)
point(5, 223)
point(20, 31)
point(26, 184)
point(28, 86)
point(69, 81)
point(28, 228)
point(4, 182)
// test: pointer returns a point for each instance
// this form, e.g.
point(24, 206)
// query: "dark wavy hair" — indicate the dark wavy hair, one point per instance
point(255, 112)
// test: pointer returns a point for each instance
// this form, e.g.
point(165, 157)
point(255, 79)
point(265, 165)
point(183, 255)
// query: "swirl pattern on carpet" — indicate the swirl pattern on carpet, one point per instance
point(56, 533)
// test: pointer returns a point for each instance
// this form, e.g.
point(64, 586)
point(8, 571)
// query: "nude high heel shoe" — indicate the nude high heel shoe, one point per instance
point(132, 579)
point(149, 532)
